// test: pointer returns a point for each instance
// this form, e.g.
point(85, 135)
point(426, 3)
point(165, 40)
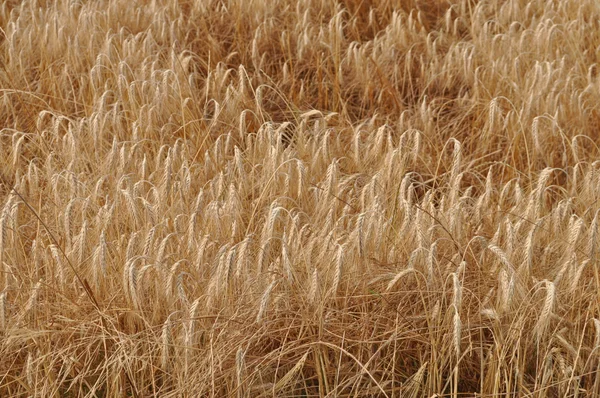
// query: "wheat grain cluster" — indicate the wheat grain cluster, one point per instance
point(313, 198)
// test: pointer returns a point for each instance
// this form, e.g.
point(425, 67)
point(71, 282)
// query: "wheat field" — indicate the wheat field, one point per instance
point(313, 198)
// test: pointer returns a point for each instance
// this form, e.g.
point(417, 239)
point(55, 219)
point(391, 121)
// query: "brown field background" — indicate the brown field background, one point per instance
point(313, 198)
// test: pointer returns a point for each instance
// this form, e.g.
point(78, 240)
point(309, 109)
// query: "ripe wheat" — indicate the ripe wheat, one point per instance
point(311, 198)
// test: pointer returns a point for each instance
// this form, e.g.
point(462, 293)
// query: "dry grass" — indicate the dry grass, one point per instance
point(315, 198)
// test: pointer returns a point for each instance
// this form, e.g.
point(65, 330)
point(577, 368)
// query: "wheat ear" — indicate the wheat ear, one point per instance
point(544, 319)
point(264, 301)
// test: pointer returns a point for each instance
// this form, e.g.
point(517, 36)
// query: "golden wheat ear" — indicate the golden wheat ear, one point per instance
point(286, 133)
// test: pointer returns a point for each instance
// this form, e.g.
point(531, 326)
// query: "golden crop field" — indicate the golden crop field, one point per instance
point(312, 198)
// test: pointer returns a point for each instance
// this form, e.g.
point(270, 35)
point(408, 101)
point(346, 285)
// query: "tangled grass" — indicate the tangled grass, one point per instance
point(255, 198)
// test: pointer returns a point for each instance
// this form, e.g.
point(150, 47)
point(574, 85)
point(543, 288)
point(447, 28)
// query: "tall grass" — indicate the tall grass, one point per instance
point(313, 198)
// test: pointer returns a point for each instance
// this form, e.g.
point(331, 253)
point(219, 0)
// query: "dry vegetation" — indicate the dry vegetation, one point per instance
point(315, 198)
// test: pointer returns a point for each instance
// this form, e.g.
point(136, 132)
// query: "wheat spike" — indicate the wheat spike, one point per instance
point(359, 228)
point(544, 318)
point(56, 255)
point(264, 301)
point(287, 263)
point(240, 367)
point(81, 242)
point(414, 383)
point(68, 216)
point(313, 287)
point(292, 373)
point(129, 253)
point(397, 277)
point(29, 309)
point(166, 342)
point(457, 291)
point(597, 328)
point(337, 277)
point(501, 256)
point(3, 314)
point(456, 332)
point(431, 261)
